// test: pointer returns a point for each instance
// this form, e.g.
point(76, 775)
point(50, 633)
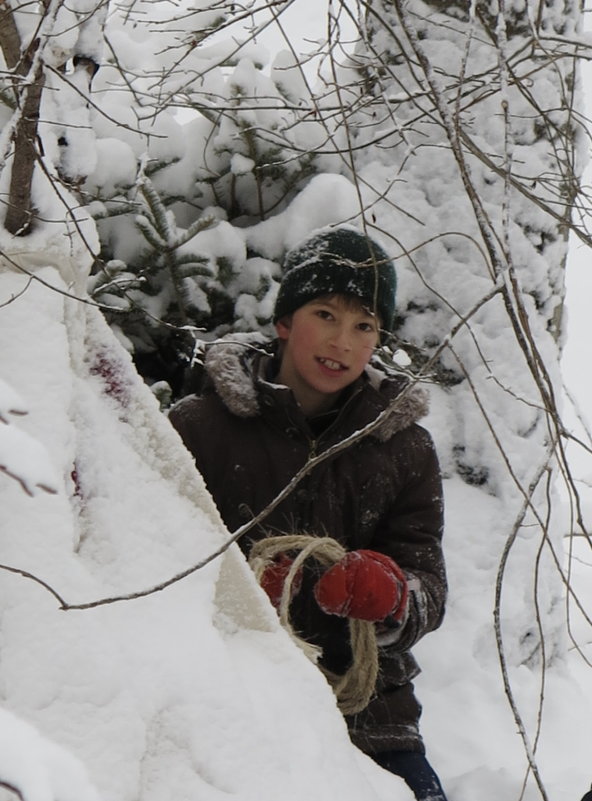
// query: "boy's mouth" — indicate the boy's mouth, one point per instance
point(332, 365)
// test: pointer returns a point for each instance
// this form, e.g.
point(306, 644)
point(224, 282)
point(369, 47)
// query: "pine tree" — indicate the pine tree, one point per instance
point(231, 159)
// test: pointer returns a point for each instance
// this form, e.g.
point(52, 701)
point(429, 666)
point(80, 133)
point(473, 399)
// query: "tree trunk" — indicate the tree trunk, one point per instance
point(10, 40)
point(20, 213)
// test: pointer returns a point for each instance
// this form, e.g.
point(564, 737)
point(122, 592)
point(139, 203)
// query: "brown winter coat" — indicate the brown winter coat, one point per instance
point(249, 437)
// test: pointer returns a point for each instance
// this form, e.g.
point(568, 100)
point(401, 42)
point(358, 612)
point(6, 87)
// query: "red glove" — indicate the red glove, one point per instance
point(365, 585)
point(274, 577)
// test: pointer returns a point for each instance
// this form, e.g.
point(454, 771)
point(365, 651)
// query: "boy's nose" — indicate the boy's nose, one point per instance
point(342, 339)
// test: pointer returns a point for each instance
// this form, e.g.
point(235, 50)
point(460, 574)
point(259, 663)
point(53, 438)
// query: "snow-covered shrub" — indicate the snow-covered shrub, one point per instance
point(219, 143)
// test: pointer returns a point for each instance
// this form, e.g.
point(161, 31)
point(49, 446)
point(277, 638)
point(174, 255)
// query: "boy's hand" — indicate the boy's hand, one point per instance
point(274, 577)
point(365, 585)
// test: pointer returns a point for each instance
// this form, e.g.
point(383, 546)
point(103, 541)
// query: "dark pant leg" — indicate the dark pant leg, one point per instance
point(417, 772)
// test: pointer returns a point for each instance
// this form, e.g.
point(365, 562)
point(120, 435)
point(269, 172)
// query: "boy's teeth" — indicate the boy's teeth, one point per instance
point(332, 365)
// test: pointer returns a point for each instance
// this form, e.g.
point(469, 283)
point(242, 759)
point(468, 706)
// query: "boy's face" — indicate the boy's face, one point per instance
point(327, 344)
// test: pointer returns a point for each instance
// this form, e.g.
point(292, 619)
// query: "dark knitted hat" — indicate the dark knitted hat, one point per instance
point(338, 261)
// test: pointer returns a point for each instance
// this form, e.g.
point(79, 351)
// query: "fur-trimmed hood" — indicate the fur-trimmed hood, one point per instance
point(238, 365)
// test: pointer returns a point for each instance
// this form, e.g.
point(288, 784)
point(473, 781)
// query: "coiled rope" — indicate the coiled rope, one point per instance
point(355, 687)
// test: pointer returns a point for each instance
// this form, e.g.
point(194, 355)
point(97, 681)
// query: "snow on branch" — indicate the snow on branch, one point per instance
point(22, 457)
point(37, 769)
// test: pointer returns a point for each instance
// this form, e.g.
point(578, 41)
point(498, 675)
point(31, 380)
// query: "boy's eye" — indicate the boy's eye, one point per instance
point(367, 327)
point(324, 314)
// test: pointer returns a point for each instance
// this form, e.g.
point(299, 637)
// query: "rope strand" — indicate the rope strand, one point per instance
point(355, 687)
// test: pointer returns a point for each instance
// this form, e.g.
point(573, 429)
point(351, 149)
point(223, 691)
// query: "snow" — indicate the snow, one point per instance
point(324, 200)
point(182, 691)
point(23, 458)
point(191, 691)
point(118, 679)
point(40, 769)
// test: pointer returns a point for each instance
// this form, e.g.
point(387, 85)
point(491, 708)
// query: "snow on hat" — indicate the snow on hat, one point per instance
point(338, 261)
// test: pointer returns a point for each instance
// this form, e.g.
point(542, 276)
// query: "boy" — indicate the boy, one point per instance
point(267, 407)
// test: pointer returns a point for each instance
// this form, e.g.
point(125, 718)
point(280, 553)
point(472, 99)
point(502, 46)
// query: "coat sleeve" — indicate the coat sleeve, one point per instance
point(411, 533)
